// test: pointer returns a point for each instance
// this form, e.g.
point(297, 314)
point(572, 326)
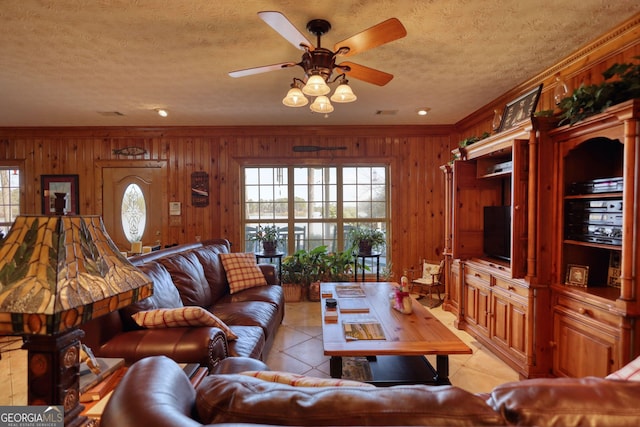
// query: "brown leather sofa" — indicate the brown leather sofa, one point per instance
point(192, 275)
point(156, 392)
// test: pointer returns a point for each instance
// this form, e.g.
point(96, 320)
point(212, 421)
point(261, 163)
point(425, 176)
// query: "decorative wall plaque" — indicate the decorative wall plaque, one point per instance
point(200, 189)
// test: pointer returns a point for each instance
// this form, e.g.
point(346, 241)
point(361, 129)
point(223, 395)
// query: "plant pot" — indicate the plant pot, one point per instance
point(270, 247)
point(314, 291)
point(292, 292)
point(365, 247)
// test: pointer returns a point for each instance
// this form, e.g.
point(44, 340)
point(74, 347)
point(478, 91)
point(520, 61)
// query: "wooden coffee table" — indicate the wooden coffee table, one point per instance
point(399, 358)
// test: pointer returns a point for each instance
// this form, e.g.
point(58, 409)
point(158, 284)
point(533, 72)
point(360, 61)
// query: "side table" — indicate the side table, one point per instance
point(364, 257)
point(271, 256)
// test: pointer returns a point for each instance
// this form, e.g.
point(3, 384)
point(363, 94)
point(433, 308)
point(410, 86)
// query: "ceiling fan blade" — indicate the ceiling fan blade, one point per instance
point(286, 29)
point(384, 32)
point(366, 74)
point(263, 69)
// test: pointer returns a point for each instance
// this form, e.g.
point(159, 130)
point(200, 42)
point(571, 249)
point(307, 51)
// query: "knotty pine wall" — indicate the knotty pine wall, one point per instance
point(414, 154)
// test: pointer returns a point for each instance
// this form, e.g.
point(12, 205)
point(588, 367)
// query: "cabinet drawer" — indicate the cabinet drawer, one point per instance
point(476, 276)
point(512, 287)
point(588, 311)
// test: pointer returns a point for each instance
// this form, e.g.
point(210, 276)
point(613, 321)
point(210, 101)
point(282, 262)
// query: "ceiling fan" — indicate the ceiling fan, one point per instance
point(320, 61)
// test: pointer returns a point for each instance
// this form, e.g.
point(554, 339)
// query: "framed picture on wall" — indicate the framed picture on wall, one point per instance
point(520, 109)
point(64, 189)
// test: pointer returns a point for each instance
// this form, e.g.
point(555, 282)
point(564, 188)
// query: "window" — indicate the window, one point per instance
point(314, 205)
point(134, 213)
point(9, 197)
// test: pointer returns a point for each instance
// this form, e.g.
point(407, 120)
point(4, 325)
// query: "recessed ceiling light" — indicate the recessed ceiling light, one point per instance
point(423, 111)
point(161, 112)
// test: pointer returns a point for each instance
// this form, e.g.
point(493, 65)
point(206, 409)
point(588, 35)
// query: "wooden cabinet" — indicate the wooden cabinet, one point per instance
point(497, 313)
point(501, 187)
point(596, 232)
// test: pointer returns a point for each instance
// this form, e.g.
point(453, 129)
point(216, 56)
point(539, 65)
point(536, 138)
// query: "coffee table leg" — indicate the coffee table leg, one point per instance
point(442, 369)
point(335, 366)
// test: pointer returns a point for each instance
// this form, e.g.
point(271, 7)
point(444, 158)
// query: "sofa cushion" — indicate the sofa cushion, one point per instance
point(568, 402)
point(184, 316)
point(250, 343)
point(242, 399)
point(188, 276)
point(298, 380)
point(165, 295)
point(209, 257)
point(629, 372)
point(242, 271)
point(249, 313)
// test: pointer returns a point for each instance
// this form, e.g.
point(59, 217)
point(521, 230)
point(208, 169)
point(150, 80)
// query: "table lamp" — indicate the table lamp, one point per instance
point(56, 273)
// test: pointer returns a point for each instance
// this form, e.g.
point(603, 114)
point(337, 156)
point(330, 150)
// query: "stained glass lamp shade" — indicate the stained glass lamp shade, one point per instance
point(56, 273)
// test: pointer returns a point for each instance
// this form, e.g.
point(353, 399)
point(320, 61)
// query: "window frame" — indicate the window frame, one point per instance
point(19, 166)
point(340, 221)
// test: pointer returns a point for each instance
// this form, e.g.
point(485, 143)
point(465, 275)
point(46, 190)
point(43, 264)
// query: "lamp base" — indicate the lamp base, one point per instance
point(54, 373)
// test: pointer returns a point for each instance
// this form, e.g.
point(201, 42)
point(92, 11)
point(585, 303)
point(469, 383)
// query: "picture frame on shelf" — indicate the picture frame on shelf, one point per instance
point(520, 109)
point(66, 185)
point(577, 275)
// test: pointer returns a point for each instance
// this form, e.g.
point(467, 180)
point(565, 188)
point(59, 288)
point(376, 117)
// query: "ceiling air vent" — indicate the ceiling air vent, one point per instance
point(110, 113)
point(386, 112)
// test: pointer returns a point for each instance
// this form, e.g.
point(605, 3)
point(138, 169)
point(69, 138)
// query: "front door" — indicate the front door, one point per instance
point(136, 192)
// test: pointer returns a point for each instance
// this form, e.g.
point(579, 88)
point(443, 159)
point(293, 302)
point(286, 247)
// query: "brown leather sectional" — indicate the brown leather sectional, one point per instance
point(167, 398)
point(192, 275)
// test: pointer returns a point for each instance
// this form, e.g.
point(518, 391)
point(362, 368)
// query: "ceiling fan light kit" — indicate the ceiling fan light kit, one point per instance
point(319, 63)
point(316, 86)
point(321, 105)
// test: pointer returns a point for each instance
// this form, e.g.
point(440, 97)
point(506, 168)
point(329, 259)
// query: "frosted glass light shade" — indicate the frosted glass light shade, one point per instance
point(321, 105)
point(295, 98)
point(343, 93)
point(316, 86)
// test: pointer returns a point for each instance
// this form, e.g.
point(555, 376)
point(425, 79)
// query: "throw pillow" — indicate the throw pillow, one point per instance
point(183, 316)
point(297, 380)
point(629, 372)
point(242, 271)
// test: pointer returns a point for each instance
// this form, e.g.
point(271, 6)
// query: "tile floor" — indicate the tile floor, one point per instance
point(297, 348)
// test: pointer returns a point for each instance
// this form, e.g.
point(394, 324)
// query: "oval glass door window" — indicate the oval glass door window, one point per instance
point(134, 213)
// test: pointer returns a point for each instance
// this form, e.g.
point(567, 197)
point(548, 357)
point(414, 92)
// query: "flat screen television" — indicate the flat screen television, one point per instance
point(497, 232)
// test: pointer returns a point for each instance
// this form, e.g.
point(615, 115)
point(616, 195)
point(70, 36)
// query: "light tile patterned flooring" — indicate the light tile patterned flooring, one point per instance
point(297, 348)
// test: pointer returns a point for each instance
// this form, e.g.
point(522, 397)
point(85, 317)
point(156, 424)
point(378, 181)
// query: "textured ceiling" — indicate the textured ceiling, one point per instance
point(68, 62)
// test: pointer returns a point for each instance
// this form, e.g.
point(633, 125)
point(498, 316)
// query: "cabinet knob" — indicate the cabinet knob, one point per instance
point(584, 311)
point(511, 288)
point(553, 344)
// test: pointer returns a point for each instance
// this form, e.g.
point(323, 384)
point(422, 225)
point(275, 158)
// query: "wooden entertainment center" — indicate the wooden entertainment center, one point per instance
point(521, 305)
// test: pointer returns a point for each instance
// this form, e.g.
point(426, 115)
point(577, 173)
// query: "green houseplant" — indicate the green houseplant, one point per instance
point(367, 238)
point(268, 236)
point(305, 269)
point(622, 82)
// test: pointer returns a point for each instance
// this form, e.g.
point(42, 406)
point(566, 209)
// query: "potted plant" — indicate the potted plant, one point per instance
point(367, 239)
point(268, 235)
point(306, 269)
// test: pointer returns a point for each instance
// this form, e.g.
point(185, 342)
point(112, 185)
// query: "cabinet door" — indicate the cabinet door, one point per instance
point(469, 198)
point(509, 326)
point(471, 303)
point(484, 312)
point(582, 350)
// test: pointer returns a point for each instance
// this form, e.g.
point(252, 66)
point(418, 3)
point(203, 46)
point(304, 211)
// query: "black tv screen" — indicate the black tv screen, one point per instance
point(497, 232)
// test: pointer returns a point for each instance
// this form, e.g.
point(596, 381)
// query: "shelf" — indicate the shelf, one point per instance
point(594, 196)
point(593, 245)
